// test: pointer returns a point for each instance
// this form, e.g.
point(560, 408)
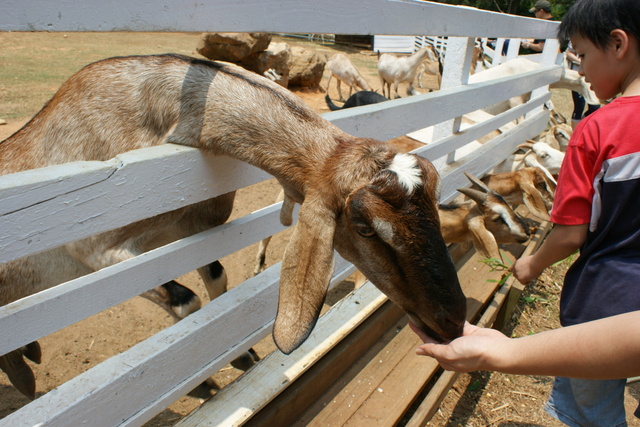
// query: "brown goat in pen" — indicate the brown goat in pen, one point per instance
point(377, 207)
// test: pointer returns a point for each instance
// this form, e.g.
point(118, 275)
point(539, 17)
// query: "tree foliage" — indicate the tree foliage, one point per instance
point(513, 7)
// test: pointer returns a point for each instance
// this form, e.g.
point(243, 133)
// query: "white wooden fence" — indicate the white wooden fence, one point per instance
point(45, 208)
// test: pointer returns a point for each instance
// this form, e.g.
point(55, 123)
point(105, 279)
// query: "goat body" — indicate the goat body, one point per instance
point(394, 70)
point(375, 206)
point(343, 70)
point(363, 97)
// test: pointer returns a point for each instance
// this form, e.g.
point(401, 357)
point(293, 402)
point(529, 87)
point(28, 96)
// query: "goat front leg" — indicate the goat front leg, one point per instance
point(395, 90)
point(340, 90)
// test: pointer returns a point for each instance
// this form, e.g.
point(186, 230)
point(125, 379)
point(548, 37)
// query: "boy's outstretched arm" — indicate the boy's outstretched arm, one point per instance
point(561, 242)
point(608, 348)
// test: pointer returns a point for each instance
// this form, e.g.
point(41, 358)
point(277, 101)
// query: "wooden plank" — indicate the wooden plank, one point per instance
point(214, 335)
point(486, 156)
point(401, 17)
point(334, 370)
point(75, 300)
point(439, 148)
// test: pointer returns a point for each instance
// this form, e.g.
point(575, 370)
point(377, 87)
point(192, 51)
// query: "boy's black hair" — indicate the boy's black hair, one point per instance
point(595, 19)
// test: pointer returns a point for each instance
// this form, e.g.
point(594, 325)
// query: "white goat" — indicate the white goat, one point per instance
point(394, 70)
point(343, 70)
point(377, 207)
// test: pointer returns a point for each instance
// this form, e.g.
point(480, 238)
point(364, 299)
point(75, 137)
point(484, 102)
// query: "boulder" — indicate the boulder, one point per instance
point(232, 47)
point(306, 68)
point(277, 58)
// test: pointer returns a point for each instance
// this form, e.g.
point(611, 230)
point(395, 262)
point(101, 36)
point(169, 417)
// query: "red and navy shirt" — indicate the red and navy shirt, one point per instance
point(599, 184)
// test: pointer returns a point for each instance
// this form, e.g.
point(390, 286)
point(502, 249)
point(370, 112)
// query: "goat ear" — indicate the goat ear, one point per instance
point(476, 183)
point(306, 270)
point(483, 240)
point(534, 202)
point(477, 196)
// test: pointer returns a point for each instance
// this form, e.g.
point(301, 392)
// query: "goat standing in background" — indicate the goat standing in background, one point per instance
point(343, 70)
point(375, 206)
point(394, 70)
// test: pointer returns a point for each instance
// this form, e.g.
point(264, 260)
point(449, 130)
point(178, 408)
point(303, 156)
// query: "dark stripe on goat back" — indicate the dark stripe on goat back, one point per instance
point(298, 107)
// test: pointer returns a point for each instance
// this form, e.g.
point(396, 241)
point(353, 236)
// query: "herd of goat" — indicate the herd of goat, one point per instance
point(344, 184)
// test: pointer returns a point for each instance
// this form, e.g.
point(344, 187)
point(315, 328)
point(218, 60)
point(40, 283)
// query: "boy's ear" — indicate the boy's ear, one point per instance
point(620, 42)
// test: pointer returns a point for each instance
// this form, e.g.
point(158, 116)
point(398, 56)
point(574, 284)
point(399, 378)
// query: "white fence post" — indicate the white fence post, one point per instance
point(456, 71)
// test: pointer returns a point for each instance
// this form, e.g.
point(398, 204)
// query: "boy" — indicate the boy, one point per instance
point(597, 203)
point(598, 200)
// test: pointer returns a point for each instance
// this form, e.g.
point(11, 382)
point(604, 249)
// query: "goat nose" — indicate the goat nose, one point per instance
point(453, 327)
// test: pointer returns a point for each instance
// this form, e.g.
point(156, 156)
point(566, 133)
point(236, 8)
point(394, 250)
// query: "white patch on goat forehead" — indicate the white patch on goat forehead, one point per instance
point(406, 168)
point(504, 213)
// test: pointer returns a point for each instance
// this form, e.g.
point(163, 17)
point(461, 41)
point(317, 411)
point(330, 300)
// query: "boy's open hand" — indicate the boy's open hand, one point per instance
point(465, 354)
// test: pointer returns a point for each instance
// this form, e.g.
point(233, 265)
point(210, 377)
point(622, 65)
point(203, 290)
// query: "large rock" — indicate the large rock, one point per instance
point(277, 58)
point(306, 67)
point(232, 47)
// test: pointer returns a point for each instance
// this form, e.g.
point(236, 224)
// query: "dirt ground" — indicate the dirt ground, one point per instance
point(478, 399)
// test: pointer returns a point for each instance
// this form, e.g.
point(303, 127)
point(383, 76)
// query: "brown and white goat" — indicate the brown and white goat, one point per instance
point(343, 70)
point(377, 207)
point(528, 185)
point(486, 220)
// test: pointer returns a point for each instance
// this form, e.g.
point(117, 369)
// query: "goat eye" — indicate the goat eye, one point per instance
point(365, 230)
